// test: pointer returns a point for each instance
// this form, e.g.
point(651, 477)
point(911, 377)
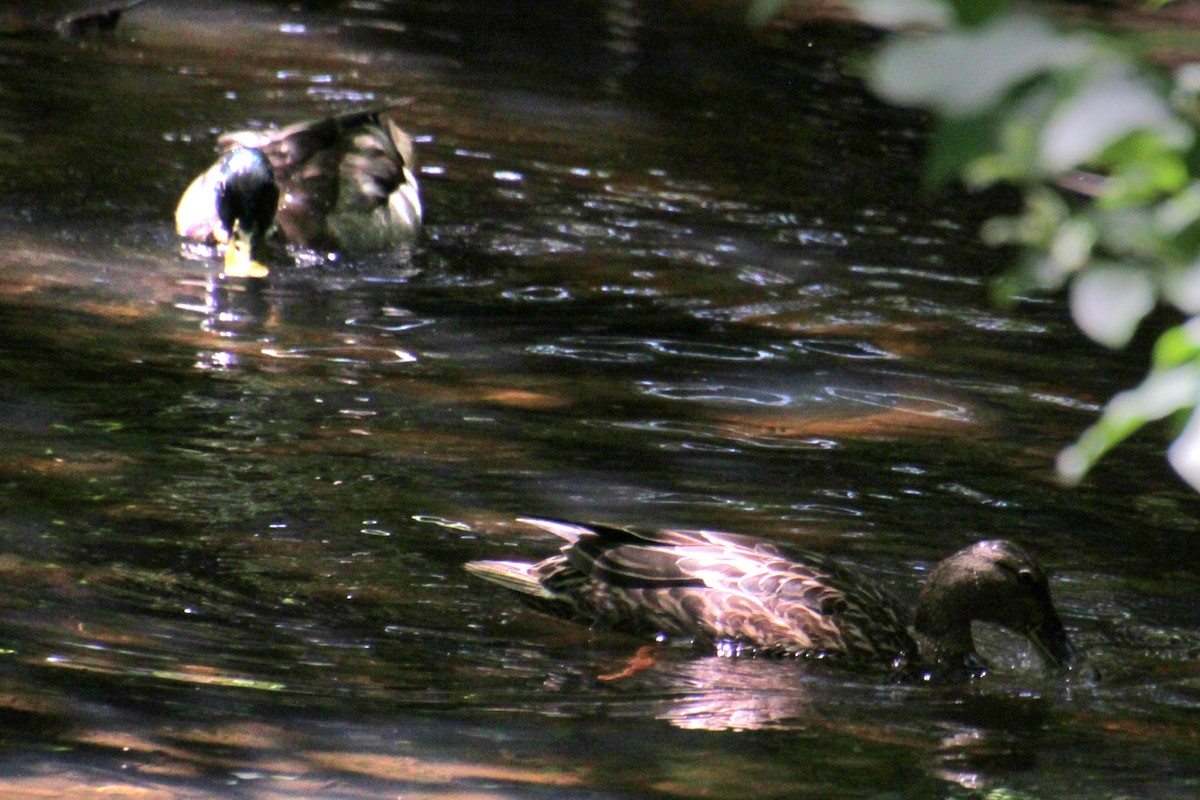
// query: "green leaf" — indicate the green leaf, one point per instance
point(1111, 104)
point(955, 143)
point(761, 12)
point(1162, 393)
point(1179, 212)
point(1184, 452)
point(1018, 121)
point(1108, 301)
point(1073, 242)
point(1033, 273)
point(1181, 287)
point(973, 13)
point(962, 73)
point(1143, 179)
point(1177, 345)
point(897, 14)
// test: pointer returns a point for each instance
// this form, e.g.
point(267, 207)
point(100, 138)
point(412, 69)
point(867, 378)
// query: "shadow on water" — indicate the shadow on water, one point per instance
point(672, 274)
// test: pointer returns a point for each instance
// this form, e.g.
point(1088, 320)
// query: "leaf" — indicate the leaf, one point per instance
point(1142, 166)
point(1107, 302)
point(1162, 393)
point(1177, 345)
point(1181, 287)
point(1179, 212)
point(1018, 120)
point(895, 14)
point(760, 12)
point(972, 13)
point(963, 73)
point(1109, 106)
point(1184, 452)
point(954, 144)
point(1072, 244)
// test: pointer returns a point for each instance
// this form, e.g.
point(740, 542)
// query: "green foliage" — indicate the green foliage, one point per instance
point(1105, 154)
point(761, 12)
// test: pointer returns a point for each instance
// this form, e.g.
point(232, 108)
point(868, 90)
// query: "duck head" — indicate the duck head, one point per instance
point(246, 199)
point(993, 581)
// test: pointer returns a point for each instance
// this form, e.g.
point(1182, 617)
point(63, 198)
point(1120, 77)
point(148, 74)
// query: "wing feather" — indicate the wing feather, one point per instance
point(723, 586)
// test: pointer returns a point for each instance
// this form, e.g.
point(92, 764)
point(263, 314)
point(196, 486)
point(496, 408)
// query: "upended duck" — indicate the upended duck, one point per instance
point(746, 595)
point(343, 184)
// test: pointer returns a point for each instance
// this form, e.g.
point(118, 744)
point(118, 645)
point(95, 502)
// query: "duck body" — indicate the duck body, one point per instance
point(344, 185)
point(746, 595)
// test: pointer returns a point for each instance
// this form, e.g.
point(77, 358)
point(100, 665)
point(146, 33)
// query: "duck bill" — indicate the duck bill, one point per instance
point(239, 257)
point(1050, 639)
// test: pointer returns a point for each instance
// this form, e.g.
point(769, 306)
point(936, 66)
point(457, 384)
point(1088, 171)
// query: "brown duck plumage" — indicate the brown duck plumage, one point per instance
point(345, 183)
point(728, 589)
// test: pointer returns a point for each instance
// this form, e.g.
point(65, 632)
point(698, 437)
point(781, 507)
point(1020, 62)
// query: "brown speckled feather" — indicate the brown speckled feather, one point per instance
point(717, 587)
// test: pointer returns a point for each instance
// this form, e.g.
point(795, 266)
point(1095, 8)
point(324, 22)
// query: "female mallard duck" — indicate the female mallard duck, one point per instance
point(749, 595)
point(343, 184)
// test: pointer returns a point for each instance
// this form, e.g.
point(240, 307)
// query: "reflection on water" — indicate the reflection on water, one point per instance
point(674, 274)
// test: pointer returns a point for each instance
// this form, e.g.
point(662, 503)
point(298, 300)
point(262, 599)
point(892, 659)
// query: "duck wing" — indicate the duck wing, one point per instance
point(341, 178)
point(661, 558)
point(733, 587)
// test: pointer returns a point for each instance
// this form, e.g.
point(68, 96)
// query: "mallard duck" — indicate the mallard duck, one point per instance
point(747, 595)
point(343, 184)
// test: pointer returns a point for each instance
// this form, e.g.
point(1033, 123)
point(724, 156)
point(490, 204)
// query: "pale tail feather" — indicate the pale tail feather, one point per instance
point(515, 575)
point(566, 530)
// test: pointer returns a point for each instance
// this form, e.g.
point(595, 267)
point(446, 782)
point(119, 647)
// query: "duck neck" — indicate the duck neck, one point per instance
point(943, 633)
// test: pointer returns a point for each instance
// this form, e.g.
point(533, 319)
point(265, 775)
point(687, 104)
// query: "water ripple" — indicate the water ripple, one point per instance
point(817, 510)
point(919, 274)
point(760, 276)
point(694, 499)
point(707, 350)
point(736, 436)
point(715, 393)
point(583, 352)
point(387, 326)
point(810, 237)
point(843, 349)
point(907, 403)
point(627, 350)
point(1063, 401)
point(538, 294)
point(344, 354)
point(515, 244)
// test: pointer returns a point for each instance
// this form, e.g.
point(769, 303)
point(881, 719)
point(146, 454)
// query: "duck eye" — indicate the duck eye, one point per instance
point(1025, 577)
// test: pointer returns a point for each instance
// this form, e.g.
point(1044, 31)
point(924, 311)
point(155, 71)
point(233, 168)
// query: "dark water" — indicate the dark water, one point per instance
point(673, 274)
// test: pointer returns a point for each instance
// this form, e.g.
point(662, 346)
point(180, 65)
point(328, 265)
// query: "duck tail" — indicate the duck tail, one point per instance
point(517, 576)
point(570, 531)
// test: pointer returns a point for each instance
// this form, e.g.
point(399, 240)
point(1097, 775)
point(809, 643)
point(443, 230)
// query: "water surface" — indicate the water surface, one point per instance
point(673, 274)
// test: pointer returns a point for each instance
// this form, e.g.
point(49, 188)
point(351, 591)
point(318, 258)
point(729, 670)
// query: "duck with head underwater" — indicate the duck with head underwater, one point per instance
point(746, 595)
point(343, 184)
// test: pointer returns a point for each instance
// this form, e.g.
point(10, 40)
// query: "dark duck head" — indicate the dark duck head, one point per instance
point(721, 588)
point(246, 199)
point(994, 581)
